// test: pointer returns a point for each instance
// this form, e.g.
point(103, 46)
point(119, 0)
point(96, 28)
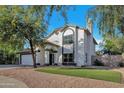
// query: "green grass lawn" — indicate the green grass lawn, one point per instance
point(87, 73)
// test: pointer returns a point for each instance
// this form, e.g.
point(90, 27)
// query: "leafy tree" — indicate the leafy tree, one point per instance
point(114, 45)
point(110, 22)
point(109, 19)
point(19, 24)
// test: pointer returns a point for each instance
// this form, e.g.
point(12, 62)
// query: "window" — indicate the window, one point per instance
point(68, 39)
point(68, 57)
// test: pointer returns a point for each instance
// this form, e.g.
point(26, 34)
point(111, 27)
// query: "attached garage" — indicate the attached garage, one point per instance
point(26, 59)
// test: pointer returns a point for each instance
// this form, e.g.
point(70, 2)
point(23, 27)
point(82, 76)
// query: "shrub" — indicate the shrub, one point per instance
point(55, 64)
point(46, 64)
point(38, 64)
point(98, 63)
point(2, 62)
point(121, 64)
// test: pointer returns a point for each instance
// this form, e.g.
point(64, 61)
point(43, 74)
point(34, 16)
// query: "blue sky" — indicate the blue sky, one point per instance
point(75, 17)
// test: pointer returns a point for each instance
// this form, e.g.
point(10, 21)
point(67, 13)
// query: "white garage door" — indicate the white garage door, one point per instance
point(27, 60)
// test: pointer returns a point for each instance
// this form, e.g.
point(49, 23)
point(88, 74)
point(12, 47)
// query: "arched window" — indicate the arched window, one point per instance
point(68, 53)
point(68, 37)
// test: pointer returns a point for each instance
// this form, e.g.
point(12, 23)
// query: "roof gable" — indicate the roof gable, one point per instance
point(61, 29)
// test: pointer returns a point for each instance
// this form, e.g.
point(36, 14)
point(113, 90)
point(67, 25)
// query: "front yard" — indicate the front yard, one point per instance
point(106, 75)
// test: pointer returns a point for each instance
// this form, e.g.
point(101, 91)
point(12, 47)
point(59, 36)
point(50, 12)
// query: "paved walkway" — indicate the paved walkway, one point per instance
point(6, 82)
point(36, 79)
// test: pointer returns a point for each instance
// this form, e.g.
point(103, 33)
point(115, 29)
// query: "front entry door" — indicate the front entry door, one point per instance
point(51, 58)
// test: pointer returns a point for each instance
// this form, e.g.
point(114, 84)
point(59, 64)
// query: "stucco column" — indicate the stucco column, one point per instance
point(46, 57)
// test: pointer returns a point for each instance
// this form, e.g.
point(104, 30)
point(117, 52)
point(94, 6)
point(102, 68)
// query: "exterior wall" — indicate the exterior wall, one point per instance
point(59, 55)
point(57, 39)
point(89, 48)
point(80, 47)
point(46, 57)
point(86, 49)
point(76, 47)
point(55, 58)
point(90, 40)
point(93, 48)
point(40, 56)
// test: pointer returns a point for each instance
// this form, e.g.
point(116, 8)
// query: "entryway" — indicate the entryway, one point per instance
point(51, 58)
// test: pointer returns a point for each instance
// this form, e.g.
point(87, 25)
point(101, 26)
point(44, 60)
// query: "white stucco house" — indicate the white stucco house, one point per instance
point(68, 45)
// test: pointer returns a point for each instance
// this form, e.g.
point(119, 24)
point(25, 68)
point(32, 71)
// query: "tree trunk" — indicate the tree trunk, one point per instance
point(32, 52)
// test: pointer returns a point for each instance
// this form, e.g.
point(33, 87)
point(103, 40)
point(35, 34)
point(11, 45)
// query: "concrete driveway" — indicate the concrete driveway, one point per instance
point(7, 82)
point(5, 67)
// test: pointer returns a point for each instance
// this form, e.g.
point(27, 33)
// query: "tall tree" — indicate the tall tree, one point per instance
point(109, 19)
point(26, 23)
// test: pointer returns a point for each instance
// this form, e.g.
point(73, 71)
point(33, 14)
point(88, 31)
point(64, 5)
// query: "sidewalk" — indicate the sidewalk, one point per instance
point(6, 67)
point(6, 82)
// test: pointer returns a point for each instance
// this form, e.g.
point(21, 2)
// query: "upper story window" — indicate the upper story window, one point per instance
point(68, 39)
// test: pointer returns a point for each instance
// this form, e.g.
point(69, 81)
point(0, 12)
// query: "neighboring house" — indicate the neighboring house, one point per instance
point(69, 45)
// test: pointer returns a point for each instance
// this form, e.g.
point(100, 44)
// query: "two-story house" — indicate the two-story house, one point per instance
point(68, 45)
